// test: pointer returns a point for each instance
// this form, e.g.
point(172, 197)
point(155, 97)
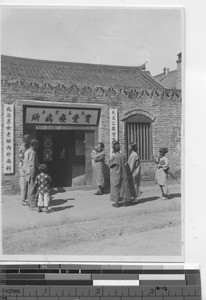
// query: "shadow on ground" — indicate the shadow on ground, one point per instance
point(54, 209)
point(148, 199)
point(56, 202)
point(178, 195)
point(57, 191)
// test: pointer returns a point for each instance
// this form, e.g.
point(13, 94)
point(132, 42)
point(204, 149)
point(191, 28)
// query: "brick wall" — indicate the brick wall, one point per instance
point(166, 127)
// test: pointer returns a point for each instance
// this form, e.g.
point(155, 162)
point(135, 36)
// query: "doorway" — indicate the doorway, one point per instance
point(63, 151)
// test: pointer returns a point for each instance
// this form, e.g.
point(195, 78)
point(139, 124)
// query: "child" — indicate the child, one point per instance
point(162, 172)
point(42, 183)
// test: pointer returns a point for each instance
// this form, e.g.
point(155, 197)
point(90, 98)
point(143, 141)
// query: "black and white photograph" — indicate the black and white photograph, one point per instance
point(92, 132)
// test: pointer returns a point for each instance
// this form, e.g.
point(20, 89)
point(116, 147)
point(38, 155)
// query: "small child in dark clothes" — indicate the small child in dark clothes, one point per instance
point(42, 182)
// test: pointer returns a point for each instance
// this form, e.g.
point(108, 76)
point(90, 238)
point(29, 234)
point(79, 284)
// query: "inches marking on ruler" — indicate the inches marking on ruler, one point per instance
point(96, 282)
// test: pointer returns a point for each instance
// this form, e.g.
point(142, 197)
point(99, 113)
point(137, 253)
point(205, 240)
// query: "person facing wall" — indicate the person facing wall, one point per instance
point(98, 157)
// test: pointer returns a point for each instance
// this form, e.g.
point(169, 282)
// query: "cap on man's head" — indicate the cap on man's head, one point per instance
point(163, 150)
point(133, 145)
point(26, 138)
point(34, 142)
point(42, 167)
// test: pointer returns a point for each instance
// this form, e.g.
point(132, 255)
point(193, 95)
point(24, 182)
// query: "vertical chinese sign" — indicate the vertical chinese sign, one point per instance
point(48, 148)
point(113, 127)
point(8, 138)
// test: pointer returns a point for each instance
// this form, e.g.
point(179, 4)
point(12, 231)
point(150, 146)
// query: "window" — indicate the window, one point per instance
point(139, 131)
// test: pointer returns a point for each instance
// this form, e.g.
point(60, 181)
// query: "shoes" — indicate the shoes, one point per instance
point(25, 203)
point(125, 204)
point(35, 208)
point(115, 205)
point(39, 209)
point(99, 193)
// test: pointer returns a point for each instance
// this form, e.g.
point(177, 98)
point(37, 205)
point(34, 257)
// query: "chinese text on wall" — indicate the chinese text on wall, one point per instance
point(48, 147)
point(113, 126)
point(8, 138)
point(67, 116)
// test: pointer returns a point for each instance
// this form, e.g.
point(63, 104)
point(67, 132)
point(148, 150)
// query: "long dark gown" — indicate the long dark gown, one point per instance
point(119, 181)
point(99, 166)
point(134, 164)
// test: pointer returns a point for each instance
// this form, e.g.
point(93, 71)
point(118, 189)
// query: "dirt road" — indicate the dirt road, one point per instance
point(80, 223)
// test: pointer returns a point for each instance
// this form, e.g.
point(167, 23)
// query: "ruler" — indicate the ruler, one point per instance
point(98, 282)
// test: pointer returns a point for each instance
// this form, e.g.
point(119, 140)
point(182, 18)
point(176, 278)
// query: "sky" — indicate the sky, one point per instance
point(113, 36)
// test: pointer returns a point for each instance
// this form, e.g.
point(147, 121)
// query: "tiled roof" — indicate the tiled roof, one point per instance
point(168, 80)
point(77, 73)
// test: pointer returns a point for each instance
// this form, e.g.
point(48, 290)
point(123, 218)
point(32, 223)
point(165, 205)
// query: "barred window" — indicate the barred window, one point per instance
point(139, 131)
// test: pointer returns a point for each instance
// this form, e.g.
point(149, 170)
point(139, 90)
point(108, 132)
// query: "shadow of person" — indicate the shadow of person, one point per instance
point(56, 202)
point(54, 209)
point(148, 199)
point(106, 172)
point(172, 196)
point(57, 190)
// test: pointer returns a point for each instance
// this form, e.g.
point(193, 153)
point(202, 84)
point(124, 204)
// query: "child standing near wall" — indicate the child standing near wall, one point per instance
point(42, 182)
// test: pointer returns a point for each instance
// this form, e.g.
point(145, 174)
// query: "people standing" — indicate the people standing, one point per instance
point(22, 178)
point(119, 181)
point(135, 167)
point(42, 182)
point(98, 164)
point(162, 172)
point(31, 165)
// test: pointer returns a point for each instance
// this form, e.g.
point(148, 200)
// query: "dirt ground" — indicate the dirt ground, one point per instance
point(80, 223)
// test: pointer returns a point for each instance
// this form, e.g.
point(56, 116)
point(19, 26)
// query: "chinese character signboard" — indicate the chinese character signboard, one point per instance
point(64, 116)
point(8, 138)
point(113, 126)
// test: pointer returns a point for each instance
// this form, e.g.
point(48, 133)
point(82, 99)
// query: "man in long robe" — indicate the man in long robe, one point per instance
point(119, 181)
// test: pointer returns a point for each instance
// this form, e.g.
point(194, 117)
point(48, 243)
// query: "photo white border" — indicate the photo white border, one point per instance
point(109, 258)
point(195, 94)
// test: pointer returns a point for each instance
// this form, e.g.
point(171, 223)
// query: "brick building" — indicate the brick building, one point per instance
point(69, 107)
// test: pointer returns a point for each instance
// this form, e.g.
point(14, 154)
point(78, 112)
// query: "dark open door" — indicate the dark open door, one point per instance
point(61, 150)
point(89, 146)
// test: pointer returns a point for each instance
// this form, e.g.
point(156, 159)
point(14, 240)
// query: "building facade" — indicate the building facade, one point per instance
point(69, 107)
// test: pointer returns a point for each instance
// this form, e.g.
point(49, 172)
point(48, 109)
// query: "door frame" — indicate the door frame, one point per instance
point(89, 130)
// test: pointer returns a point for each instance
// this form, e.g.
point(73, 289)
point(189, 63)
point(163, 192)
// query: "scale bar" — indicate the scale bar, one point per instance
point(115, 282)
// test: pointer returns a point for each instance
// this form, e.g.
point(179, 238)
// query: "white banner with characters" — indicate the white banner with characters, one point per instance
point(71, 116)
point(113, 127)
point(8, 138)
